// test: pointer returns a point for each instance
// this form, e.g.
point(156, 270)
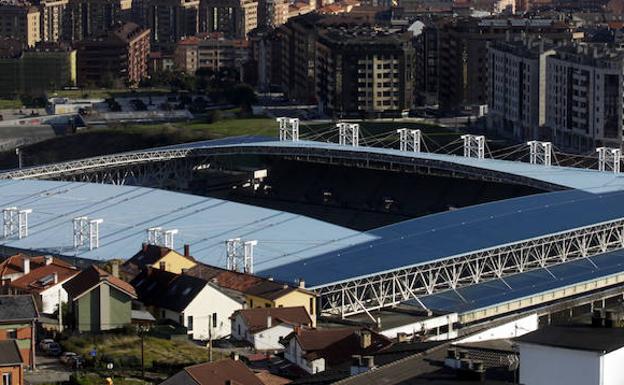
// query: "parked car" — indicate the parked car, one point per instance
point(53, 349)
point(67, 357)
point(43, 344)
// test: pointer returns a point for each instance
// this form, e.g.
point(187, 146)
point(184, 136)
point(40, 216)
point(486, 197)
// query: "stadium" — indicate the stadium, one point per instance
point(366, 227)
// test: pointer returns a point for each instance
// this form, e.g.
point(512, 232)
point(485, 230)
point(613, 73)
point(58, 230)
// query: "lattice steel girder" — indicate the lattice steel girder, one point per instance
point(390, 288)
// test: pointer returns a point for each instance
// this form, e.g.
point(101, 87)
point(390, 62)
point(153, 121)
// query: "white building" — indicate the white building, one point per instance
point(572, 356)
point(584, 97)
point(517, 89)
point(263, 328)
point(203, 308)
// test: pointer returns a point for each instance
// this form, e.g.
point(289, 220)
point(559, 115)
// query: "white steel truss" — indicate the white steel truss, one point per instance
point(81, 231)
point(540, 152)
point(609, 159)
point(239, 255)
point(94, 233)
point(288, 129)
point(390, 288)
point(474, 146)
point(159, 237)
point(348, 134)
point(409, 140)
point(15, 222)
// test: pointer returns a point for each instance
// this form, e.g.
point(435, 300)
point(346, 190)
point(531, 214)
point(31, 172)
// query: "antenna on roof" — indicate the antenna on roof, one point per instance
point(159, 237)
point(15, 222)
point(348, 134)
point(609, 159)
point(409, 140)
point(288, 129)
point(474, 146)
point(239, 255)
point(540, 152)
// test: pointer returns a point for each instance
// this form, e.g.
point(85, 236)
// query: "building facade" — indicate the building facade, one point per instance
point(233, 18)
point(122, 54)
point(94, 18)
point(20, 20)
point(17, 322)
point(53, 19)
point(11, 363)
point(171, 20)
point(584, 97)
point(517, 89)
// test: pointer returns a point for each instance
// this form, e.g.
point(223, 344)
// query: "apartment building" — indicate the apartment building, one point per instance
point(364, 71)
point(233, 18)
point(272, 13)
point(20, 20)
point(584, 97)
point(92, 18)
point(212, 52)
point(121, 54)
point(463, 53)
point(171, 20)
point(53, 19)
point(517, 88)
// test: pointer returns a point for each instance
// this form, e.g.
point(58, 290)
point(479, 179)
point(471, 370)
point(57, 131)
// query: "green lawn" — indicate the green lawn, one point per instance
point(103, 93)
point(10, 104)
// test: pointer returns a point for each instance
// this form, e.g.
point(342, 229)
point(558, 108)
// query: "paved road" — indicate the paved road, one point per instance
point(49, 370)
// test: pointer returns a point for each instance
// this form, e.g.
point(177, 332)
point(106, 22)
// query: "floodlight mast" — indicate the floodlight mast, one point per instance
point(409, 140)
point(474, 146)
point(540, 152)
point(348, 134)
point(609, 159)
point(288, 129)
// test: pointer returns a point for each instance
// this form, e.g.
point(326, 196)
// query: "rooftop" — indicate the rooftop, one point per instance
point(44, 277)
point(601, 340)
point(9, 353)
point(223, 372)
point(92, 276)
point(257, 319)
point(17, 308)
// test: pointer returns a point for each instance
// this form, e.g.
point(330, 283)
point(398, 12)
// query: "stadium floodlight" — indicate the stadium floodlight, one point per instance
point(474, 146)
point(288, 129)
point(240, 255)
point(159, 237)
point(15, 222)
point(348, 134)
point(540, 152)
point(81, 231)
point(609, 159)
point(409, 140)
point(94, 233)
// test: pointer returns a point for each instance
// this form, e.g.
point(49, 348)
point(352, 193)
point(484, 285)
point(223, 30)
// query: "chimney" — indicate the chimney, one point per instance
point(115, 269)
point(269, 321)
point(26, 265)
point(297, 330)
point(48, 260)
point(365, 339)
point(144, 246)
point(301, 283)
point(55, 277)
point(187, 250)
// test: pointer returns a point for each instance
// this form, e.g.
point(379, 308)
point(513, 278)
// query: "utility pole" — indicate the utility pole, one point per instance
point(142, 352)
point(60, 312)
point(19, 157)
point(209, 338)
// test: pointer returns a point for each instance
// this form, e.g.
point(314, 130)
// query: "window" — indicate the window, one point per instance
point(163, 266)
point(251, 303)
point(267, 305)
point(6, 379)
point(239, 331)
point(214, 319)
point(189, 323)
point(311, 306)
point(11, 334)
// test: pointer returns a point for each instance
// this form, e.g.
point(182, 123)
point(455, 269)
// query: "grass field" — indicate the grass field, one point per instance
point(103, 93)
point(10, 104)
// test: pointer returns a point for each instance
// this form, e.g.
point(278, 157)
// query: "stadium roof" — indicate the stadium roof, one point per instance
point(575, 178)
point(524, 285)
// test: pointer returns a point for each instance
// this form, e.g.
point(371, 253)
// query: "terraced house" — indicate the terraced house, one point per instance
point(17, 322)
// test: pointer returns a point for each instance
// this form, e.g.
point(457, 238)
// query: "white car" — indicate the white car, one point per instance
point(44, 344)
point(67, 357)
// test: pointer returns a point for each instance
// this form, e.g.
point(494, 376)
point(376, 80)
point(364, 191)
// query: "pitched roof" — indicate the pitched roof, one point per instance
point(91, 277)
point(17, 307)
point(148, 255)
point(256, 319)
point(156, 287)
point(603, 340)
point(271, 379)
point(9, 353)
point(15, 263)
point(218, 373)
point(244, 283)
point(337, 345)
point(42, 278)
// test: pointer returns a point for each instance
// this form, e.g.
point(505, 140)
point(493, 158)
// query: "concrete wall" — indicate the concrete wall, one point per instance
point(510, 329)
point(544, 365)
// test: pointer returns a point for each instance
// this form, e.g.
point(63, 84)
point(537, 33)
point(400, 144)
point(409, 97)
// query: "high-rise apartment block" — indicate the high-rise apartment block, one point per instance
point(121, 54)
point(53, 19)
point(585, 97)
point(171, 20)
point(517, 88)
point(92, 18)
point(212, 52)
point(20, 20)
point(233, 18)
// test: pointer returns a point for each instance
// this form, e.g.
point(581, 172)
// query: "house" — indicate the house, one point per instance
point(18, 265)
point(158, 257)
point(258, 292)
point(202, 307)
point(45, 282)
point(18, 314)
point(590, 355)
point(11, 363)
point(223, 372)
point(315, 350)
point(99, 300)
point(265, 327)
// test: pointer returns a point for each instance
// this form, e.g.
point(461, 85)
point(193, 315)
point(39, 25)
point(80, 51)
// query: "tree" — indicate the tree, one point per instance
point(242, 95)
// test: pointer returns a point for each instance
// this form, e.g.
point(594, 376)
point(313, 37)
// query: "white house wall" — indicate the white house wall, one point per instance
point(545, 365)
point(208, 301)
point(613, 374)
point(269, 339)
point(50, 298)
point(510, 329)
point(294, 354)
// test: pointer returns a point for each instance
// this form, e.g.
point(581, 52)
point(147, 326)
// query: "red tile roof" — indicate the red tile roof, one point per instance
point(41, 278)
point(91, 277)
point(15, 264)
point(257, 319)
point(218, 373)
point(271, 379)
